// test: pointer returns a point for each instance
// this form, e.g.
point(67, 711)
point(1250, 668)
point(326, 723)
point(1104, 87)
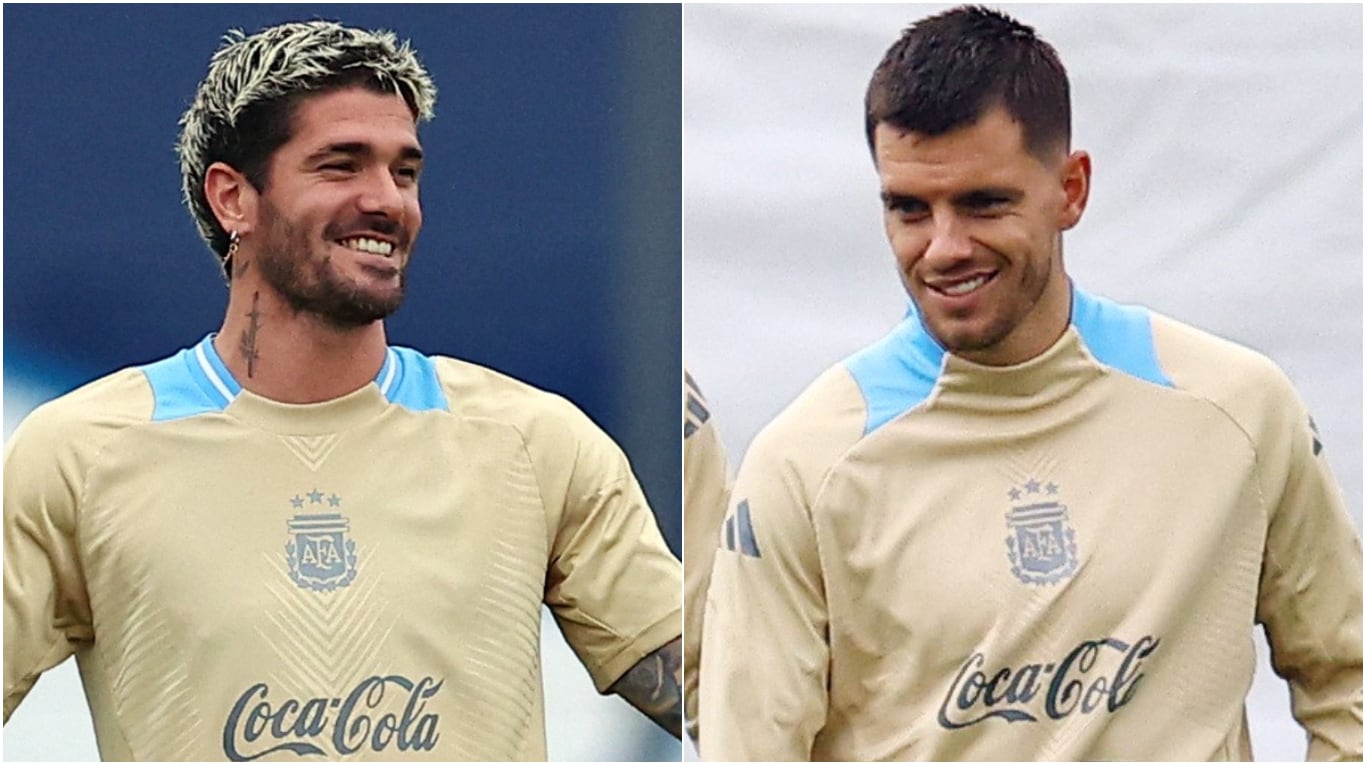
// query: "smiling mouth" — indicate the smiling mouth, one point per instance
point(368, 245)
point(964, 286)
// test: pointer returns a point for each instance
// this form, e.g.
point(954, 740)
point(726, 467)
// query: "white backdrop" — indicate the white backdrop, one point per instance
point(1227, 193)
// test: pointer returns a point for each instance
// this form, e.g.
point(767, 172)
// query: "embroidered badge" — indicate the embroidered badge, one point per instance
point(321, 555)
point(1041, 542)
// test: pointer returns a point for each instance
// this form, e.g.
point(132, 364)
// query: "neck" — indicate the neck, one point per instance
point(290, 356)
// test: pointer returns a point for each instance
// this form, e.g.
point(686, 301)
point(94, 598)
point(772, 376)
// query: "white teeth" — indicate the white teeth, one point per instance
point(365, 244)
point(964, 288)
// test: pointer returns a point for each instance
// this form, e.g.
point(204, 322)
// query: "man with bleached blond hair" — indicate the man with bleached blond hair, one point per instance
point(292, 538)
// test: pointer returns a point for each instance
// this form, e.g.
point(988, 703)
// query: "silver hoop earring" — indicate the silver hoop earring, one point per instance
point(234, 240)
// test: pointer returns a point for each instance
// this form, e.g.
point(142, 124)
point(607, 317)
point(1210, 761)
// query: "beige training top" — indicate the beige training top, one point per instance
point(361, 578)
point(929, 559)
point(705, 488)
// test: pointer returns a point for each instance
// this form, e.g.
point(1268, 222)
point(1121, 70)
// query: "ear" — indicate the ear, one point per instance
point(231, 197)
point(1076, 188)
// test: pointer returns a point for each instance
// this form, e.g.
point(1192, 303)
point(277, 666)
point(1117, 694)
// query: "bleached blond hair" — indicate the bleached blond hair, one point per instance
point(242, 108)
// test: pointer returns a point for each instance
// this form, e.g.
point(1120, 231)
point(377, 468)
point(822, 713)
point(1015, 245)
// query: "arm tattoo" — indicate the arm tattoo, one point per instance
point(249, 337)
point(653, 686)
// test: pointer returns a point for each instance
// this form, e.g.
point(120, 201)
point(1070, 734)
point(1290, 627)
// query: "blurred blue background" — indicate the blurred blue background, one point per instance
point(550, 250)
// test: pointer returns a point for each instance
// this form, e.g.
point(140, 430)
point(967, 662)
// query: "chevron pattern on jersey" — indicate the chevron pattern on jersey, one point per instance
point(152, 682)
point(311, 450)
point(503, 654)
point(326, 641)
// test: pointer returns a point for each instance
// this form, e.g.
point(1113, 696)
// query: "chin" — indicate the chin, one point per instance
point(356, 317)
point(966, 339)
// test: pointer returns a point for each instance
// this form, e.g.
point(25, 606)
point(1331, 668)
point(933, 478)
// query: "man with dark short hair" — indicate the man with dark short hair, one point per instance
point(292, 539)
point(1030, 523)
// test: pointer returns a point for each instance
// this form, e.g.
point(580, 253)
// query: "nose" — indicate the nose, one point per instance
point(381, 195)
point(949, 242)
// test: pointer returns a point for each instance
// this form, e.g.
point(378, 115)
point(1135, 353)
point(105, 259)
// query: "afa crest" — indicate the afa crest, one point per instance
point(321, 555)
point(1042, 544)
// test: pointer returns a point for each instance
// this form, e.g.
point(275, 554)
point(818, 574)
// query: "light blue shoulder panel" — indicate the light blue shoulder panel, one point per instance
point(1119, 336)
point(182, 388)
point(897, 372)
point(415, 386)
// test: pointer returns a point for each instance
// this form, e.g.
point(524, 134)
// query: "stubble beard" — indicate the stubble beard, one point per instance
point(1018, 305)
point(291, 265)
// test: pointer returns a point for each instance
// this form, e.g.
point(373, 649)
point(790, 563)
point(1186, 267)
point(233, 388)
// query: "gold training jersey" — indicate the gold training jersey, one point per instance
point(925, 558)
point(361, 578)
point(705, 487)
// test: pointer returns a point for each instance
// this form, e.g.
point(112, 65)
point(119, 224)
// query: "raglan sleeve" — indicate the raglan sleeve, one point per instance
point(46, 608)
point(614, 587)
point(705, 490)
point(763, 686)
point(1310, 596)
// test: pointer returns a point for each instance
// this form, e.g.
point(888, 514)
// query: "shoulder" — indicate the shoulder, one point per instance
point(107, 404)
point(1200, 357)
point(861, 393)
point(478, 391)
point(1243, 385)
point(1241, 381)
point(70, 430)
point(832, 405)
point(1147, 344)
point(475, 392)
point(809, 437)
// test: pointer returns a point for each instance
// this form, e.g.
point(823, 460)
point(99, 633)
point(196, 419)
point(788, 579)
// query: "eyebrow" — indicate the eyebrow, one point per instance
point(987, 196)
point(973, 198)
point(357, 148)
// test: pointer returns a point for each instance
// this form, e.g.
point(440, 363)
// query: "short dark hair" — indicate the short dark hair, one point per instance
point(947, 70)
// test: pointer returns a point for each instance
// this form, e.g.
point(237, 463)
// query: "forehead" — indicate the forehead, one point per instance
point(352, 115)
point(990, 150)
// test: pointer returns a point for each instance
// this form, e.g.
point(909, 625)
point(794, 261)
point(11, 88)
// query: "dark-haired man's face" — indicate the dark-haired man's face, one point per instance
point(338, 219)
point(975, 223)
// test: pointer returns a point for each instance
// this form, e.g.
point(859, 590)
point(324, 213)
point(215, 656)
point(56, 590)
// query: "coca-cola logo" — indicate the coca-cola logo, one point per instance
point(1096, 675)
point(379, 713)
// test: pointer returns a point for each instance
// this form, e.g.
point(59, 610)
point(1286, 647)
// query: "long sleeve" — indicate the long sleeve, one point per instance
point(1310, 595)
point(766, 660)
